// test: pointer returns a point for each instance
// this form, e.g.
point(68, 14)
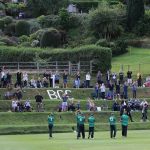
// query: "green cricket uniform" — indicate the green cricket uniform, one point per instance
point(50, 124)
point(112, 122)
point(124, 122)
point(91, 121)
point(80, 122)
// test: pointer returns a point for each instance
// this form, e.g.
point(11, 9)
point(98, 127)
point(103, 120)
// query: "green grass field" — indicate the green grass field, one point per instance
point(132, 59)
point(136, 140)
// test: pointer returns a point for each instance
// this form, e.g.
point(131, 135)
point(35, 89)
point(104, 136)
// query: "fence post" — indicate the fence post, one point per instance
point(56, 65)
point(69, 69)
point(18, 66)
point(79, 65)
point(38, 68)
point(91, 66)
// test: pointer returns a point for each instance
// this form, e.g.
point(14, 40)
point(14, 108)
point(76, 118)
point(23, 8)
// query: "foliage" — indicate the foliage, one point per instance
point(23, 38)
point(49, 21)
point(7, 41)
point(22, 28)
point(10, 30)
point(100, 55)
point(104, 22)
point(40, 7)
point(135, 11)
point(143, 25)
point(64, 18)
point(2, 24)
point(34, 26)
point(7, 20)
point(51, 38)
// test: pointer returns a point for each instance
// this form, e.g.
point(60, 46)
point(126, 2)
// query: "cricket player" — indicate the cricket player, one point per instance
point(112, 122)
point(50, 124)
point(124, 122)
point(91, 121)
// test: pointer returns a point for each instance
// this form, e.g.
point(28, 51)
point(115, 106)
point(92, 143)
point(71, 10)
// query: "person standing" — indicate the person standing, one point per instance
point(50, 124)
point(91, 121)
point(81, 120)
point(112, 122)
point(65, 79)
point(39, 102)
point(88, 78)
point(124, 122)
point(134, 89)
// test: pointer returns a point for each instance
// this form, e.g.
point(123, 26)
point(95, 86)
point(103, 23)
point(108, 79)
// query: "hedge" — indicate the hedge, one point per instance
point(101, 56)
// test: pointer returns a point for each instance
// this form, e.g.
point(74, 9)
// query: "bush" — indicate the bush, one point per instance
point(10, 29)
point(23, 39)
point(7, 42)
point(22, 28)
point(101, 56)
point(118, 47)
point(34, 26)
point(2, 24)
point(50, 38)
point(49, 21)
point(8, 20)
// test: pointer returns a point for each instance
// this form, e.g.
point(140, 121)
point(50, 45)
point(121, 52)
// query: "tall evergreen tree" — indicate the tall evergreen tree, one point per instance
point(135, 11)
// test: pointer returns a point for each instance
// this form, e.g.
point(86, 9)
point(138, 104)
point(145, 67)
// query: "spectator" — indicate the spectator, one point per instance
point(33, 83)
point(97, 91)
point(27, 106)
point(134, 89)
point(71, 106)
point(144, 106)
point(108, 75)
point(117, 85)
point(88, 78)
point(103, 89)
point(39, 83)
point(39, 102)
point(25, 79)
point(114, 77)
point(121, 77)
point(99, 77)
point(50, 78)
point(78, 80)
point(65, 79)
point(8, 78)
point(57, 77)
point(125, 90)
point(139, 79)
point(78, 107)
point(14, 105)
point(19, 79)
point(45, 82)
point(116, 106)
point(111, 90)
point(64, 102)
point(18, 94)
point(129, 78)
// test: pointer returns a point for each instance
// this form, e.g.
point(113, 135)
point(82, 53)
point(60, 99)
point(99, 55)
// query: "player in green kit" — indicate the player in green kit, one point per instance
point(80, 122)
point(112, 122)
point(50, 124)
point(91, 121)
point(124, 122)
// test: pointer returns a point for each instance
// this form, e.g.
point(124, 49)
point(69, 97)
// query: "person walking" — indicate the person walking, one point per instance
point(112, 122)
point(124, 123)
point(50, 124)
point(91, 121)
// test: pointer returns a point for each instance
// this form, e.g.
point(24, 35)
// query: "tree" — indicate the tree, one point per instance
point(104, 22)
point(135, 11)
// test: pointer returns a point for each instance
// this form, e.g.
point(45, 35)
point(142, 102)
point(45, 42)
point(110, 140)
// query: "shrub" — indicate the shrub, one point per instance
point(10, 29)
point(49, 21)
point(23, 39)
point(7, 41)
point(50, 38)
point(101, 56)
point(8, 20)
point(2, 24)
point(22, 28)
point(34, 26)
